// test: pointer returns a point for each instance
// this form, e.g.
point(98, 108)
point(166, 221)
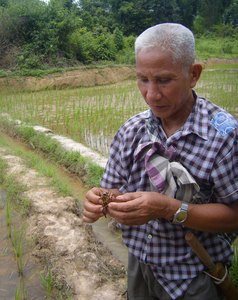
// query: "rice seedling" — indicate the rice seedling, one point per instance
point(84, 113)
point(8, 213)
point(47, 283)
point(18, 293)
point(17, 244)
point(4, 251)
point(21, 290)
point(9, 219)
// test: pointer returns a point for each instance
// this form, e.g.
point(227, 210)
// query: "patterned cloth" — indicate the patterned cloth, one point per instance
point(168, 178)
point(212, 160)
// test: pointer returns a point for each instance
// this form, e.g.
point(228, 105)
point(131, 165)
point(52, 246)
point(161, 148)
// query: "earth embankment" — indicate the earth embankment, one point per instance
point(85, 77)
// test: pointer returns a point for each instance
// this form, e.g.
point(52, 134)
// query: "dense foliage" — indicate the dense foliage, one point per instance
point(59, 32)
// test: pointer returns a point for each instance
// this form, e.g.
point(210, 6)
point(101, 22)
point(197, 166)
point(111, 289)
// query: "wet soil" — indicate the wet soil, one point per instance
point(79, 262)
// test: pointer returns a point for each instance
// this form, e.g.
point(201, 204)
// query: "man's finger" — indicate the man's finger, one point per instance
point(128, 197)
point(125, 206)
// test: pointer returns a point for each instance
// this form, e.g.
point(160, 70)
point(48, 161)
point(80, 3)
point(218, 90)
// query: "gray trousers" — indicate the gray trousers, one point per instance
point(142, 285)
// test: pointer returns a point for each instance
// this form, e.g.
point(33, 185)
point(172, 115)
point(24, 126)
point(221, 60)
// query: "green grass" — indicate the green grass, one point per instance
point(13, 189)
point(216, 47)
point(55, 156)
point(44, 71)
point(222, 67)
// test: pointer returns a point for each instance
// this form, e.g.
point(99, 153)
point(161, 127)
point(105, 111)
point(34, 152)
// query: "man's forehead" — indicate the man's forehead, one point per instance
point(154, 53)
point(157, 61)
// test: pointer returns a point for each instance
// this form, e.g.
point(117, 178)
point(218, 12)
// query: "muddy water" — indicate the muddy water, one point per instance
point(112, 240)
point(10, 281)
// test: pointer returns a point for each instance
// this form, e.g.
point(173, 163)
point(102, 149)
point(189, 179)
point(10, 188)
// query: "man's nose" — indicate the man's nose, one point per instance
point(153, 92)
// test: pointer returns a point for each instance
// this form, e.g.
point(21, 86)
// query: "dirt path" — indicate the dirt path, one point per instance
point(77, 260)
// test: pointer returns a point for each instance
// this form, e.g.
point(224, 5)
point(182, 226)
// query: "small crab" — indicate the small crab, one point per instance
point(106, 198)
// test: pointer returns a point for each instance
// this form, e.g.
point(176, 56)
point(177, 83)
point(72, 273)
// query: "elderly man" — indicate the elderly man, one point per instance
point(174, 169)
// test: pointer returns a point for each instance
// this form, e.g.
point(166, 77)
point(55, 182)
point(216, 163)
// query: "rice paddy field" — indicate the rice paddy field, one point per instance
point(92, 115)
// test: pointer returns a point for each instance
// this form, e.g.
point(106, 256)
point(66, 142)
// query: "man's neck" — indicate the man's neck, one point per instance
point(171, 125)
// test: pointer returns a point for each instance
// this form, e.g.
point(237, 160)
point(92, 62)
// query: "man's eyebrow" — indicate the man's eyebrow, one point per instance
point(162, 76)
point(140, 75)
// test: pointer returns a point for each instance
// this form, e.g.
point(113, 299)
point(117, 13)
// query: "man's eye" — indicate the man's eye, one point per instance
point(143, 79)
point(164, 80)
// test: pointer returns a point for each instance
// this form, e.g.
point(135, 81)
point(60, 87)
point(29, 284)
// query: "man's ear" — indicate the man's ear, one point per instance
point(195, 72)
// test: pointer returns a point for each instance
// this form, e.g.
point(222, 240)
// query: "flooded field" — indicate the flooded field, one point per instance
point(56, 240)
point(92, 115)
point(11, 282)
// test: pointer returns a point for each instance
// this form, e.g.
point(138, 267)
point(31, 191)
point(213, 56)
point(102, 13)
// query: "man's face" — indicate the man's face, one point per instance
point(163, 85)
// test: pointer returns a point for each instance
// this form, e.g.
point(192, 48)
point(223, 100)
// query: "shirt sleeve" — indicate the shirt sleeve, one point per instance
point(114, 175)
point(225, 174)
point(122, 171)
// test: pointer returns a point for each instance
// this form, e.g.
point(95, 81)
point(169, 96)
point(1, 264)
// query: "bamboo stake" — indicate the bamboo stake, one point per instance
point(216, 270)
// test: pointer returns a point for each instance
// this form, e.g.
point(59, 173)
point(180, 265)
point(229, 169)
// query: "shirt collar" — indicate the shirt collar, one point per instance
point(197, 121)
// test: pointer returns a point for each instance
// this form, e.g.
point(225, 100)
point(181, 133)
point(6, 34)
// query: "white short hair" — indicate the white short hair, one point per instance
point(174, 38)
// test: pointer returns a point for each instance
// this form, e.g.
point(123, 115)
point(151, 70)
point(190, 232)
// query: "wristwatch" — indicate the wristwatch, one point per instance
point(181, 214)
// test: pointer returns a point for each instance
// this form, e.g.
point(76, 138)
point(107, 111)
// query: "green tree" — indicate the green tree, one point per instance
point(118, 39)
point(42, 29)
point(67, 4)
point(231, 14)
point(95, 45)
point(187, 12)
point(87, 20)
point(4, 3)
point(52, 30)
point(211, 11)
point(134, 16)
point(96, 13)
point(13, 19)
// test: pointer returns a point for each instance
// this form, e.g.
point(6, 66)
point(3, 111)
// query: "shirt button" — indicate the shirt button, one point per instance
point(149, 236)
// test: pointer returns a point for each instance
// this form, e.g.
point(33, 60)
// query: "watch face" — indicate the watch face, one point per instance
point(181, 216)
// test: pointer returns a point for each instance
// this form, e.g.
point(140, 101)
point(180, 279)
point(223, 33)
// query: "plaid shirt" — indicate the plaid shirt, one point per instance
point(207, 146)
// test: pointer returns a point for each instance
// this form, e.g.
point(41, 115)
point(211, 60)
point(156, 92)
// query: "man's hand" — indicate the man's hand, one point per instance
point(141, 207)
point(92, 206)
point(93, 209)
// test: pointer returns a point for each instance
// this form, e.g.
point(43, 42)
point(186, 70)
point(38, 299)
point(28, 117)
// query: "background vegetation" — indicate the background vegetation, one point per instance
point(38, 34)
